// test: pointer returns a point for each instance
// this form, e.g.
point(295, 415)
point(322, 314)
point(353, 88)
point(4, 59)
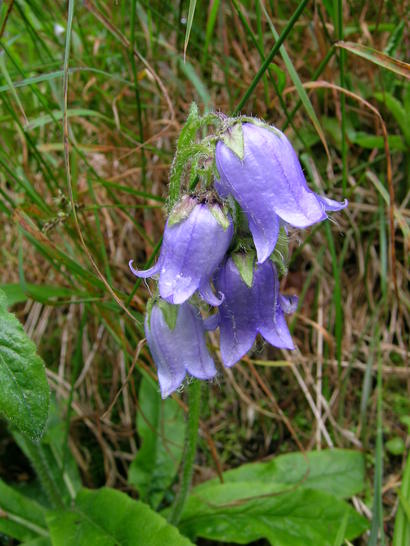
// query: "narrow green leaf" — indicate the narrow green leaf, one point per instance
point(58, 116)
point(296, 80)
point(196, 81)
point(377, 528)
point(160, 425)
point(280, 75)
point(265, 65)
point(395, 39)
point(24, 391)
point(110, 518)
point(191, 13)
point(58, 74)
point(6, 75)
point(17, 294)
point(214, 7)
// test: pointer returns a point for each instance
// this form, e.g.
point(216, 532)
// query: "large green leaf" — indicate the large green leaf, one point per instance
point(160, 425)
point(293, 500)
point(336, 471)
point(24, 391)
point(110, 518)
point(295, 518)
point(20, 517)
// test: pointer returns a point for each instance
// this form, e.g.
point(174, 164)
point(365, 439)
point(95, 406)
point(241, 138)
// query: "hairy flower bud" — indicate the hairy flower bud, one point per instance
point(196, 238)
point(263, 173)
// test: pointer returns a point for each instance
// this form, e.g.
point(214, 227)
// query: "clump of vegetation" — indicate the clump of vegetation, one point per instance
point(93, 98)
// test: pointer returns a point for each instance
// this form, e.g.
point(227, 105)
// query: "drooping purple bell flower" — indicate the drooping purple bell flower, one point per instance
point(269, 184)
point(196, 238)
point(249, 310)
point(179, 349)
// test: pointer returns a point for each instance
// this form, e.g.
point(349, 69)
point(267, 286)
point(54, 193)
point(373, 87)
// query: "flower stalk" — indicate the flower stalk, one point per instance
point(191, 439)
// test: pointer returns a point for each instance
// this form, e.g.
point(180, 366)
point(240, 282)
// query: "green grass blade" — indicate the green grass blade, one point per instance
point(10, 86)
point(377, 532)
point(338, 19)
point(298, 12)
point(210, 25)
point(377, 57)
point(190, 19)
point(298, 84)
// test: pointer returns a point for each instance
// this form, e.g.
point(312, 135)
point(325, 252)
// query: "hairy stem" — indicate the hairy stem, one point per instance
point(191, 438)
point(35, 453)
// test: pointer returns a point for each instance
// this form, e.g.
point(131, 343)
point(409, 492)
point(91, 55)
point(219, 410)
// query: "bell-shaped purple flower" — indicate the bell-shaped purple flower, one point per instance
point(179, 349)
point(269, 185)
point(249, 310)
point(196, 238)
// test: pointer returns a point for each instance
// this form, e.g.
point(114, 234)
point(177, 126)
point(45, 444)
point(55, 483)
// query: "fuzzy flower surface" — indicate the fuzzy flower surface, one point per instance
point(196, 238)
point(251, 308)
point(269, 185)
point(178, 349)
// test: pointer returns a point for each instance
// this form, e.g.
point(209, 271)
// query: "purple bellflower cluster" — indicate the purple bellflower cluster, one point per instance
point(224, 242)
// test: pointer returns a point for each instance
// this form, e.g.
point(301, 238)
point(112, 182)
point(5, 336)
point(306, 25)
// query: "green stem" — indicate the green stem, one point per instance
point(376, 531)
point(35, 453)
point(342, 52)
point(191, 439)
point(137, 95)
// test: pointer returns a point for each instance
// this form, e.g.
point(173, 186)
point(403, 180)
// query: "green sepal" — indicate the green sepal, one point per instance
point(233, 139)
point(280, 255)
point(245, 263)
point(169, 312)
point(220, 216)
point(150, 305)
point(181, 211)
